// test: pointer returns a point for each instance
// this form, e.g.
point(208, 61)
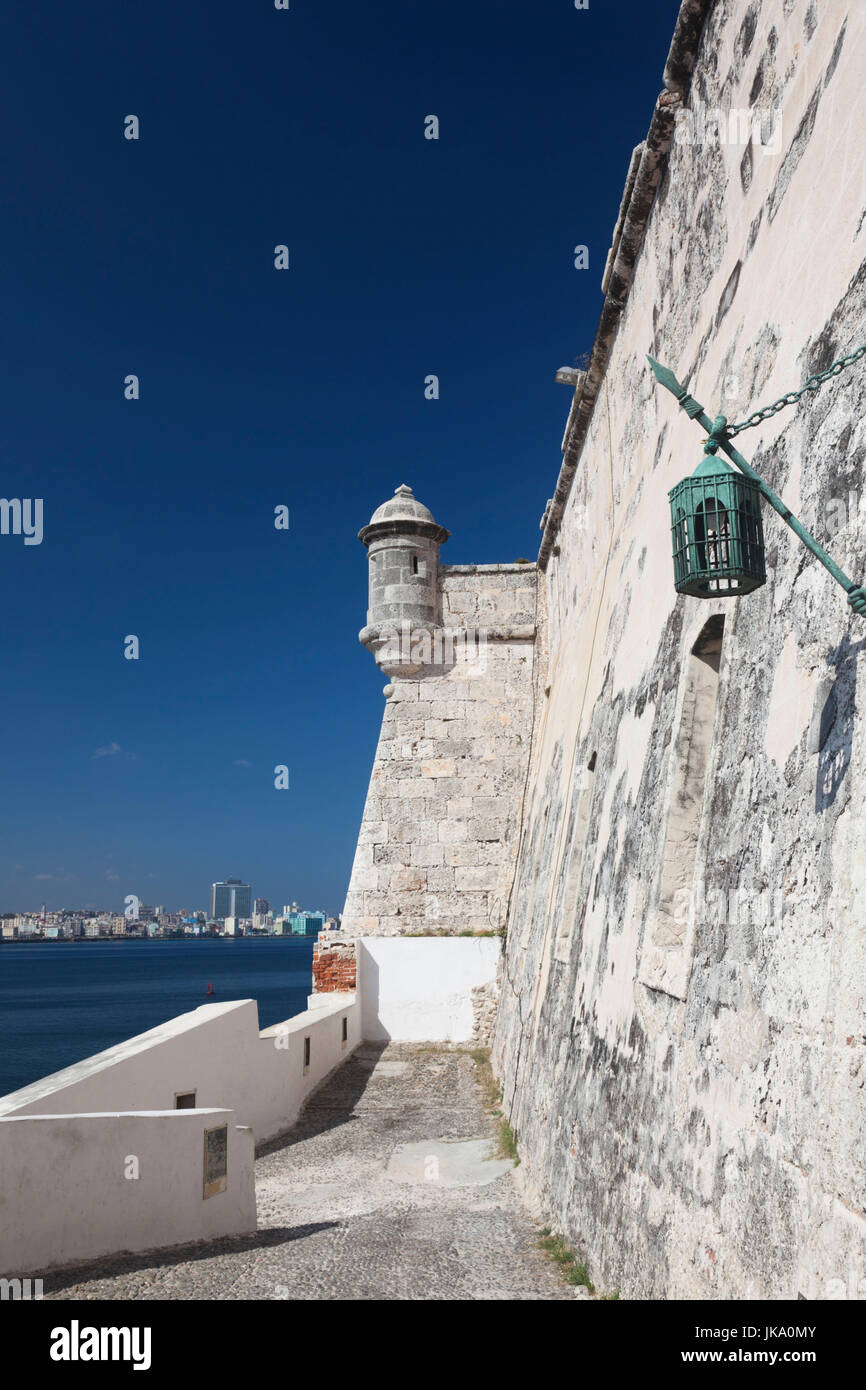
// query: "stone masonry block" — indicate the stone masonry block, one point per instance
point(373, 832)
point(427, 854)
point(491, 828)
point(414, 832)
point(452, 832)
point(476, 878)
point(410, 880)
point(438, 767)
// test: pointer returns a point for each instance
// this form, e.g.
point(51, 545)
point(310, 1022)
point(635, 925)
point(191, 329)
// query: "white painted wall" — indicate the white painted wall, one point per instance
point(419, 989)
point(64, 1140)
point(216, 1051)
point(63, 1194)
point(64, 1197)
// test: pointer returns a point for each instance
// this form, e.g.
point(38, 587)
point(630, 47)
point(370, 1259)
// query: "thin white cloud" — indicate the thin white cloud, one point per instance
point(109, 751)
point(241, 762)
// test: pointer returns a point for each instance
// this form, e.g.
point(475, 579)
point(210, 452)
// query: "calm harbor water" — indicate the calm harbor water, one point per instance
point(62, 1001)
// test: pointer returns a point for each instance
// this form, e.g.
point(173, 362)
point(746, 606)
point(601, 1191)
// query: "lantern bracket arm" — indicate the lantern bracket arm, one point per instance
point(718, 436)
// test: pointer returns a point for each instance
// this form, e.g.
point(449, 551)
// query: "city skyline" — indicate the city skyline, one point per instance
point(145, 909)
point(157, 922)
point(257, 905)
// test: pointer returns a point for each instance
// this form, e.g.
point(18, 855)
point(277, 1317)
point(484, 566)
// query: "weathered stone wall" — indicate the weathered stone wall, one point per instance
point(439, 834)
point(485, 1006)
point(687, 1075)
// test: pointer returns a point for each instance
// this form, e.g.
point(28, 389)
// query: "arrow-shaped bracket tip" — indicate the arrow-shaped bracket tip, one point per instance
point(665, 377)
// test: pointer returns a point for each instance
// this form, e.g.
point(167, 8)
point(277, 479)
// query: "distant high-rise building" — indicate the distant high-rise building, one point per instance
point(306, 923)
point(260, 907)
point(230, 898)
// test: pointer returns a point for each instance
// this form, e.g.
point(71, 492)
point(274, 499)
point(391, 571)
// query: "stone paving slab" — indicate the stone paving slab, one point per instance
point(345, 1210)
point(451, 1162)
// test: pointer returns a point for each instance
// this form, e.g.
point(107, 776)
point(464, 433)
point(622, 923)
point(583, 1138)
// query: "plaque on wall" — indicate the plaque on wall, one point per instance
point(215, 1160)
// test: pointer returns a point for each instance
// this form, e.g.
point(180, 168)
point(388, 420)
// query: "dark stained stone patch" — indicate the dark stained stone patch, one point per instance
point(835, 55)
point(746, 36)
point(757, 84)
point(810, 21)
point(746, 166)
point(794, 155)
point(728, 293)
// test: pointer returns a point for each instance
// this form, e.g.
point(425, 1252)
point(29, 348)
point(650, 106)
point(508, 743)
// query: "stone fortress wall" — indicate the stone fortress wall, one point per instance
point(683, 1046)
point(439, 834)
point(663, 795)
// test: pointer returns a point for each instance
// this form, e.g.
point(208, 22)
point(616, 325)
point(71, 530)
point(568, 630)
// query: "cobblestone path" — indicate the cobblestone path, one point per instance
point(382, 1190)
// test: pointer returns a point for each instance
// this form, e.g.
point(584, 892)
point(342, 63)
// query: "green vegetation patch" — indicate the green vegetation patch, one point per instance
point(491, 1099)
point(573, 1269)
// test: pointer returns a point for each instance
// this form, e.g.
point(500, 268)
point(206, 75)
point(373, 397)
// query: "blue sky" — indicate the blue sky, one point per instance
point(260, 387)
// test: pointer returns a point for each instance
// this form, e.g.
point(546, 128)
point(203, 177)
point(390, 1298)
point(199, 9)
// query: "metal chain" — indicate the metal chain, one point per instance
point(793, 396)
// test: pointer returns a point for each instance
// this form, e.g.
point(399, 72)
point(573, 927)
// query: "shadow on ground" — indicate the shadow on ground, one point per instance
point(332, 1103)
point(109, 1267)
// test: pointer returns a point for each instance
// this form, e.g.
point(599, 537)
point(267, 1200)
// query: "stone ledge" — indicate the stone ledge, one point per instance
point(530, 568)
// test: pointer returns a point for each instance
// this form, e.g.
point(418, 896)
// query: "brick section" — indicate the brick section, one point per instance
point(334, 964)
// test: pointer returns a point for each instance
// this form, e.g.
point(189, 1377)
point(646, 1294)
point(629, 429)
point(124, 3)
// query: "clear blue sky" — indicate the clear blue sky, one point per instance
point(261, 387)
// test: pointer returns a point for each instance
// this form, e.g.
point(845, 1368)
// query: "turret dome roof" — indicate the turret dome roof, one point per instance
point(404, 505)
point(402, 515)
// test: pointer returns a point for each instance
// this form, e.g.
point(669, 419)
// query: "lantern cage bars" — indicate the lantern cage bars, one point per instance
point(731, 551)
point(717, 534)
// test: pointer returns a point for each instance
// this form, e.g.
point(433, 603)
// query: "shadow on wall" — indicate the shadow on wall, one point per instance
point(427, 653)
point(836, 723)
point(368, 985)
point(333, 1103)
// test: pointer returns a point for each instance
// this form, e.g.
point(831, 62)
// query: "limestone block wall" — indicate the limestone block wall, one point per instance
point(681, 1036)
point(438, 839)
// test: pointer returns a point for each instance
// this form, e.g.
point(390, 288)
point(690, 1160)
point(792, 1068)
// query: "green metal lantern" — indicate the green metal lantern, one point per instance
point(718, 538)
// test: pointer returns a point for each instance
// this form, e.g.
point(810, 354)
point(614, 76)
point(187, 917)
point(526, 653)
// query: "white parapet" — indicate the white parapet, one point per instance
point(110, 1154)
point(76, 1187)
point(212, 1056)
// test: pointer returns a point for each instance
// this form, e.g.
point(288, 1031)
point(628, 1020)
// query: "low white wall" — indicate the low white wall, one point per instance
point(419, 989)
point(65, 1196)
point(282, 1085)
point(64, 1140)
point(216, 1051)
